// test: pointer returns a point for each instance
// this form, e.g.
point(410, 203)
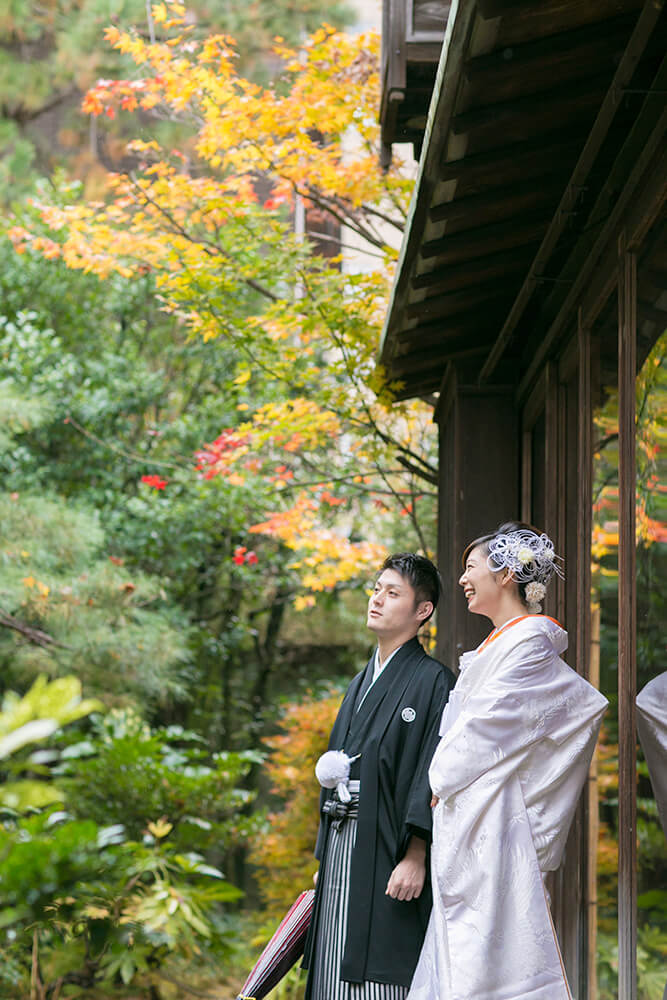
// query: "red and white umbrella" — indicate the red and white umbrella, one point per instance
point(282, 951)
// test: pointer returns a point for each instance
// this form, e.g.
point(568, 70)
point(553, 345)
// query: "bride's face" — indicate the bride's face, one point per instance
point(481, 587)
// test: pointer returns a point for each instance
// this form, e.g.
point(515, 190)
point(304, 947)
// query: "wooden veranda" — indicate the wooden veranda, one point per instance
point(532, 280)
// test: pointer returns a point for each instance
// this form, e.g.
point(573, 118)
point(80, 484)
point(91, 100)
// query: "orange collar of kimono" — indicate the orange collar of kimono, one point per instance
point(515, 621)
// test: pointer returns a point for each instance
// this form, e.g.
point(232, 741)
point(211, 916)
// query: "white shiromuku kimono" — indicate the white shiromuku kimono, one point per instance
point(518, 735)
point(652, 726)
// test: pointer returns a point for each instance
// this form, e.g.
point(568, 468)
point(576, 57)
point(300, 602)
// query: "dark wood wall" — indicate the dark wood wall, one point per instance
point(479, 488)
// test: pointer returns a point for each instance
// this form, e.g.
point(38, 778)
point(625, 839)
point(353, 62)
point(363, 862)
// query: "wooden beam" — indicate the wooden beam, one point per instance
point(562, 217)
point(518, 161)
point(460, 25)
point(461, 275)
point(568, 52)
point(424, 52)
point(636, 208)
point(499, 8)
point(542, 104)
point(424, 386)
point(442, 331)
point(501, 201)
point(478, 242)
point(538, 20)
point(420, 361)
point(453, 303)
point(644, 141)
point(627, 627)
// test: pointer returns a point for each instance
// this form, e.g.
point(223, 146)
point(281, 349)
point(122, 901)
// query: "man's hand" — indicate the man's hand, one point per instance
point(407, 879)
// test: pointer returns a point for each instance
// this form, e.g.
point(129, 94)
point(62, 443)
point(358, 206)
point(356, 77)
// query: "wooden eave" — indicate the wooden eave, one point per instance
point(545, 138)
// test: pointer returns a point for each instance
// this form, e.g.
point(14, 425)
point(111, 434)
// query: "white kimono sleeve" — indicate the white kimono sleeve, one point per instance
point(533, 697)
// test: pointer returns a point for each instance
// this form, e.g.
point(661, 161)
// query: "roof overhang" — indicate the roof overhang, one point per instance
point(545, 140)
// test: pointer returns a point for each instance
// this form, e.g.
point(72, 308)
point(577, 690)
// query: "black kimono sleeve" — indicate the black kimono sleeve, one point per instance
point(418, 811)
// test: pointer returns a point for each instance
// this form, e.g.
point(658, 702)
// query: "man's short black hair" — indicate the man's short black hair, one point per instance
point(420, 573)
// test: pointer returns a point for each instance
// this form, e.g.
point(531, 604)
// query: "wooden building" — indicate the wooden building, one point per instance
point(533, 278)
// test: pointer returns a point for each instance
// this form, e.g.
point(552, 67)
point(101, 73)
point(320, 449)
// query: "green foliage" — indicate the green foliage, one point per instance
point(651, 606)
point(651, 964)
point(103, 389)
point(82, 611)
point(41, 712)
point(126, 772)
point(86, 902)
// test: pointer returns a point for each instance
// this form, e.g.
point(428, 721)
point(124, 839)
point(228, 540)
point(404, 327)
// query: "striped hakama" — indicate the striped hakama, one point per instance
point(331, 931)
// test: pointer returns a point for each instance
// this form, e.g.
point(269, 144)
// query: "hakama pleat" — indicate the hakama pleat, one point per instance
point(332, 926)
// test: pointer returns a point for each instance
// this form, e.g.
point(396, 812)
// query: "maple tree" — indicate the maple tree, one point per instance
point(53, 52)
point(283, 847)
point(314, 416)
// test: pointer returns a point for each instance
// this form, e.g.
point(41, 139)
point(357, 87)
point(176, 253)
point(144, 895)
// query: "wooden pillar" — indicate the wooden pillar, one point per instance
point(588, 808)
point(593, 803)
point(479, 488)
point(627, 628)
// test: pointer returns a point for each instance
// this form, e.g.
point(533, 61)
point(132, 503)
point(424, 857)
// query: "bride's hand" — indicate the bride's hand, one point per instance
point(434, 801)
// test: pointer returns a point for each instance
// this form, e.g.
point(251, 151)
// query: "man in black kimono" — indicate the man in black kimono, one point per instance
point(373, 896)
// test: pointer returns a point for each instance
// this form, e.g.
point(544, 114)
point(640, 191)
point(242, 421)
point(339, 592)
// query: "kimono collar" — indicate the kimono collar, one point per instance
point(537, 624)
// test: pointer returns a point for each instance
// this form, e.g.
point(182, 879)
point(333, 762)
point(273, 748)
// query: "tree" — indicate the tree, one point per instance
point(303, 333)
point(101, 416)
point(52, 54)
point(283, 846)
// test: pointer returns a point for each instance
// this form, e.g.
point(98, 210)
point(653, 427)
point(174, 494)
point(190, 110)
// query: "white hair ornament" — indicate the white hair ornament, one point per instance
point(535, 594)
point(529, 557)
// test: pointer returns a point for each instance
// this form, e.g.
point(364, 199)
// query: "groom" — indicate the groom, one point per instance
point(373, 896)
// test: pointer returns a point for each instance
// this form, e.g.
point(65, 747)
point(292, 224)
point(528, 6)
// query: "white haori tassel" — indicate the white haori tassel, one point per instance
point(333, 771)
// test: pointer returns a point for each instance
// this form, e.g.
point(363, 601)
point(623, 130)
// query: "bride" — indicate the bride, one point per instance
point(517, 737)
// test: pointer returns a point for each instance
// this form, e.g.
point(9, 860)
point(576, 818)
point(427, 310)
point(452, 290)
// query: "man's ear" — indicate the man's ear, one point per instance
point(425, 610)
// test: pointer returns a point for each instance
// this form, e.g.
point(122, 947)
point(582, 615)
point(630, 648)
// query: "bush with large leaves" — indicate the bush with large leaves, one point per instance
point(106, 887)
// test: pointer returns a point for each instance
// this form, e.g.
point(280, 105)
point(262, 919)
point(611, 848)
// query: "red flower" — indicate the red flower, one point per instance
point(251, 558)
point(239, 555)
point(155, 481)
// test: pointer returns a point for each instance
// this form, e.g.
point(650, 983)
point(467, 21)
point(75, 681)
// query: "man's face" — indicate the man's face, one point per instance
point(392, 607)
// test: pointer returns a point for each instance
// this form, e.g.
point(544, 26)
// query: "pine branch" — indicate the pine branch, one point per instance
point(35, 635)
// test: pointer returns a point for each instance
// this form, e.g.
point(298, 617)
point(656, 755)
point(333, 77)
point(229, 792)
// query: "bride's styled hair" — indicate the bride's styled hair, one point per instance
point(527, 553)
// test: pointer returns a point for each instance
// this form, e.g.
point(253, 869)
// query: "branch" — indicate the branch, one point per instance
point(22, 115)
point(603, 442)
point(35, 635)
point(368, 209)
point(328, 238)
point(133, 457)
point(212, 249)
point(411, 467)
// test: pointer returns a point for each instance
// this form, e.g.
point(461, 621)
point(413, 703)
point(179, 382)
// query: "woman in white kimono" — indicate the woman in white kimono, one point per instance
point(517, 737)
